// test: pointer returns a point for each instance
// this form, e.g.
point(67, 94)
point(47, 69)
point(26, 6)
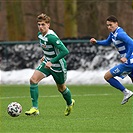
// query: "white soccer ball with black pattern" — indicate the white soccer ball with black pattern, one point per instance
point(14, 109)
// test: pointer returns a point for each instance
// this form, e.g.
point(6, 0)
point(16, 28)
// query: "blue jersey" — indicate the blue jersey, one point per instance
point(122, 42)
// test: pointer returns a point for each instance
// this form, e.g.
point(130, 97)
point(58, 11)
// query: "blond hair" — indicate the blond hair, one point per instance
point(43, 17)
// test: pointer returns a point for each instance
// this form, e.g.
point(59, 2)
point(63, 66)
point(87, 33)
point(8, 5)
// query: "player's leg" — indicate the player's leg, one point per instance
point(67, 96)
point(65, 93)
point(113, 82)
point(60, 79)
point(118, 71)
point(40, 73)
point(36, 77)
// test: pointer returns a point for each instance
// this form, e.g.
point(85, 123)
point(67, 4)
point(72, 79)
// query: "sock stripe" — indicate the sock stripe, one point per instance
point(33, 85)
point(65, 91)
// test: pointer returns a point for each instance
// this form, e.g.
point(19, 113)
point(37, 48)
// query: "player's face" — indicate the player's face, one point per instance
point(111, 26)
point(43, 27)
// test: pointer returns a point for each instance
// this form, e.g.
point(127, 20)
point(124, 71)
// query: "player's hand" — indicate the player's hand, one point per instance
point(42, 59)
point(48, 64)
point(123, 59)
point(93, 40)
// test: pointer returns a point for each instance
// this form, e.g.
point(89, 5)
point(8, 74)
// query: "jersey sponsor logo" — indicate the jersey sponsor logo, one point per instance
point(43, 44)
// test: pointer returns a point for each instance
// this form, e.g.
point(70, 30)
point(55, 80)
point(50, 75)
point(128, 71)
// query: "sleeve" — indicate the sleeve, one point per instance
point(105, 42)
point(128, 42)
point(63, 51)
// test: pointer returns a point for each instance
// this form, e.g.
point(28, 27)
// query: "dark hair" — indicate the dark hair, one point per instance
point(112, 18)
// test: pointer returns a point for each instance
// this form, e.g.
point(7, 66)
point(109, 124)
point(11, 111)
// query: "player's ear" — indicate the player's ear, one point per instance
point(49, 24)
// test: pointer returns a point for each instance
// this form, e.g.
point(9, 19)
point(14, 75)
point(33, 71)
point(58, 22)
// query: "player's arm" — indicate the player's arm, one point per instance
point(63, 51)
point(105, 42)
point(128, 41)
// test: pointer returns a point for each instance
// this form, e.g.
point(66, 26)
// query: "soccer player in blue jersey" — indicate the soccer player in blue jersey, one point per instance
point(124, 45)
point(52, 63)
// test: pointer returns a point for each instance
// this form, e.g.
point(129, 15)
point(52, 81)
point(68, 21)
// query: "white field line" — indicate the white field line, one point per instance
point(84, 95)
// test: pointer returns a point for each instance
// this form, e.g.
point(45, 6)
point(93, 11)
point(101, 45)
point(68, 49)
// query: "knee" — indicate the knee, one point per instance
point(33, 81)
point(107, 76)
point(61, 88)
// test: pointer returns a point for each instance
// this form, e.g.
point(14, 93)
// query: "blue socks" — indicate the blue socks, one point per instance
point(115, 83)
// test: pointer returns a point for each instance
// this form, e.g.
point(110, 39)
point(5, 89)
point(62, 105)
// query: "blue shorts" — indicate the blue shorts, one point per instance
point(122, 70)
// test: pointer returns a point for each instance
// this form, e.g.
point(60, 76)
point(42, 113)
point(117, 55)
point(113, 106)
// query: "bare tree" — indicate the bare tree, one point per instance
point(70, 18)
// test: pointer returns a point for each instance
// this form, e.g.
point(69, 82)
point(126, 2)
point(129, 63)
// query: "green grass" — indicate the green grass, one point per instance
point(97, 110)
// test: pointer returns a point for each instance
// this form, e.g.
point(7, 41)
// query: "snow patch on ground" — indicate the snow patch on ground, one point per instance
point(76, 77)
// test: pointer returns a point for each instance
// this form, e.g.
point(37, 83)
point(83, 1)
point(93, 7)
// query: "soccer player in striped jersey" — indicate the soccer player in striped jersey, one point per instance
point(124, 45)
point(52, 63)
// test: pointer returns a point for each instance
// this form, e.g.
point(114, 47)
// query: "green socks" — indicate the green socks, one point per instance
point(34, 94)
point(67, 96)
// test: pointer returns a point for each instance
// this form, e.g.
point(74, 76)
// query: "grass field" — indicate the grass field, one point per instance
point(97, 110)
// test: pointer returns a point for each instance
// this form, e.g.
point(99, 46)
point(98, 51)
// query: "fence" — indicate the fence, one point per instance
point(83, 55)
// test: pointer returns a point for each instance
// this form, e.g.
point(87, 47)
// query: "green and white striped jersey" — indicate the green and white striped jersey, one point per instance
point(54, 50)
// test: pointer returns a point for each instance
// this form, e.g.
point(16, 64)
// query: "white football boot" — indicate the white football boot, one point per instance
point(127, 94)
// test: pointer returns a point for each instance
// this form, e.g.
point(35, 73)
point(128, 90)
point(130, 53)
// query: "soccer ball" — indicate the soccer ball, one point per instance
point(14, 109)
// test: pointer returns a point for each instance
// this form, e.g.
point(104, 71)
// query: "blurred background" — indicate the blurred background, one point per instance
point(70, 18)
point(74, 21)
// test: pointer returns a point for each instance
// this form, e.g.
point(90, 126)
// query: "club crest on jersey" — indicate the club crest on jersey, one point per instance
point(43, 45)
point(58, 42)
